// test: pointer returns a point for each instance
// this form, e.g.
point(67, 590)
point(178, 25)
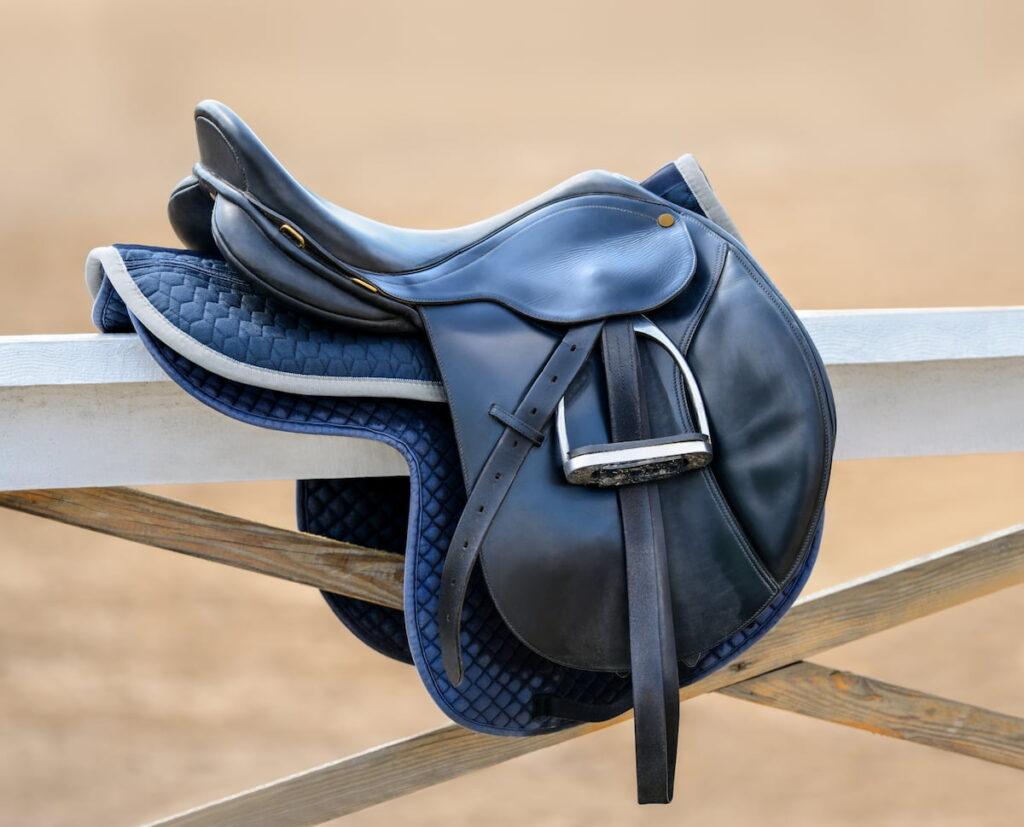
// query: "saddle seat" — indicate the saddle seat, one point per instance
point(548, 258)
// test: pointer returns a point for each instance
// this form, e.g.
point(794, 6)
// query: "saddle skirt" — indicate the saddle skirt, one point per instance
point(601, 398)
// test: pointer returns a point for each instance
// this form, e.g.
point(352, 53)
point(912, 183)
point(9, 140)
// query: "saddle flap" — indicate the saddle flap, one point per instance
point(736, 530)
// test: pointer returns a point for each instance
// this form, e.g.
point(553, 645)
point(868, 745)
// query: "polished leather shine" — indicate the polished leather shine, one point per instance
point(249, 251)
point(576, 260)
point(337, 243)
point(540, 304)
point(232, 157)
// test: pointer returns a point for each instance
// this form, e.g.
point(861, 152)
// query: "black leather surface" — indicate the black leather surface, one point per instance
point(496, 696)
point(603, 580)
point(653, 660)
point(496, 477)
point(567, 597)
point(190, 210)
point(245, 237)
point(771, 414)
point(230, 153)
point(588, 240)
point(747, 520)
point(575, 260)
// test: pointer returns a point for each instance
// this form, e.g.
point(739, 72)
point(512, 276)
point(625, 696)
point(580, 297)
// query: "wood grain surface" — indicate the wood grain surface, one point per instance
point(817, 623)
point(886, 709)
point(176, 526)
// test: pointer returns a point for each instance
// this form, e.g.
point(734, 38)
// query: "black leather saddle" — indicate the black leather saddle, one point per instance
point(644, 428)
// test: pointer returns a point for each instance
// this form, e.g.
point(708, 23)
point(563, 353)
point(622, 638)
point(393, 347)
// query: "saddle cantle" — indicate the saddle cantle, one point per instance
point(625, 486)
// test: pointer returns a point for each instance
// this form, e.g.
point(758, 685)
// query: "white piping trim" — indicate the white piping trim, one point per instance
point(108, 261)
point(698, 183)
point(94, 270)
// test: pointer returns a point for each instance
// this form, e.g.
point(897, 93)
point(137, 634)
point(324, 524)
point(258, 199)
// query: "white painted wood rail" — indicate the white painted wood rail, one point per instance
point(79, 414)
point(94, 410)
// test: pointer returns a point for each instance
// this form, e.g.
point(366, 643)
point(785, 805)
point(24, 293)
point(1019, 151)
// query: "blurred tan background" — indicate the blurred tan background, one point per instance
point(873, 156)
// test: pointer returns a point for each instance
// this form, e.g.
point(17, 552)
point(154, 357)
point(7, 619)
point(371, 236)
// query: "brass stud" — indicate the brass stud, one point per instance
point(666, 219)
point(364, 284)
point(293, 235)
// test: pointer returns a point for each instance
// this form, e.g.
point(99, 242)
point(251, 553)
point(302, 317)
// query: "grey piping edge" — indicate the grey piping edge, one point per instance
point(697, 181)
point(107, 260)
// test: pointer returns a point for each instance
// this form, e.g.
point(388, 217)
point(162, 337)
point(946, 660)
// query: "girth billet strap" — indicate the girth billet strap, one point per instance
point(522, 426)
point(653, 660)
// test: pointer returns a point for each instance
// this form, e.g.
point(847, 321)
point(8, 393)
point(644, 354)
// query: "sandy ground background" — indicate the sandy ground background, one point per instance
point(873, 155)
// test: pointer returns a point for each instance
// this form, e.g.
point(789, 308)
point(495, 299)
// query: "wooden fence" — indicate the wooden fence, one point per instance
point(86, 415)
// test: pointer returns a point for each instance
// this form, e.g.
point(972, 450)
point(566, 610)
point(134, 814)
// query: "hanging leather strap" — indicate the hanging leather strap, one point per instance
point(653, 661)
point(522, 426)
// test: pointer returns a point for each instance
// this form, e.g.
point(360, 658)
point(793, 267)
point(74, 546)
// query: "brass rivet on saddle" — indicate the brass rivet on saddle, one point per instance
point(666, 219)
point(293, 235)
point(364, 284)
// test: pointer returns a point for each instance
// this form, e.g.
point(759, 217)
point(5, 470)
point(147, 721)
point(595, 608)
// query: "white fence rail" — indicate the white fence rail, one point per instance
point(79, 414)
point(94, 410)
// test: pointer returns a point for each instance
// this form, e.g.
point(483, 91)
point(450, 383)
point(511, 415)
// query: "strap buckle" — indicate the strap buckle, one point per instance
point(645, 460)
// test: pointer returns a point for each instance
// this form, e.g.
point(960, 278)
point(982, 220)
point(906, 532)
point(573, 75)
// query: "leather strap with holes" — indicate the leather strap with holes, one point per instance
point(652, 644)
point(496, 478)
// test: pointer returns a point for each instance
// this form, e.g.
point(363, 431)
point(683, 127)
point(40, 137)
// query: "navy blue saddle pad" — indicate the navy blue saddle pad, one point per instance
point(249, 356)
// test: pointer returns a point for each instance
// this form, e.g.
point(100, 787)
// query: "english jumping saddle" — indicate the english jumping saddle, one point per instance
point(618, 433)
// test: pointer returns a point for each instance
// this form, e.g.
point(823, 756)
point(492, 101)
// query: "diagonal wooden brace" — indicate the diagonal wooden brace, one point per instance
point(819, 622)
point(886, 709)
point(770, 673)
point(146, 518)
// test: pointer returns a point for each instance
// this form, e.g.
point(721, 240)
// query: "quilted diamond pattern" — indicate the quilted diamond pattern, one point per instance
point(503, 675)
point(504, 678)
point(372, 512)
point(204, 298)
